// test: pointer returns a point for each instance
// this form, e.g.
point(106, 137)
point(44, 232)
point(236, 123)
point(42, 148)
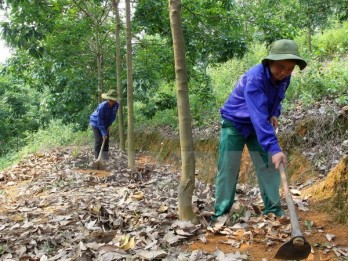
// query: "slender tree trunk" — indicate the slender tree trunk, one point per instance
point(118, 75)
point(187, 181)
point(99, 72)
point(99, 67)
point(309, 37)
point(131, 158)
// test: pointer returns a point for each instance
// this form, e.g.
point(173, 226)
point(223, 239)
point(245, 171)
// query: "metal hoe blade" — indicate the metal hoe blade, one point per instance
point(297, 248)
point(97, 164)
point(290, 251)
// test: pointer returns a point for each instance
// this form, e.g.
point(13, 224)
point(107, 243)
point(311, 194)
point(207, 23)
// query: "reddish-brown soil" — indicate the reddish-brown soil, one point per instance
point(259, 250)
point(322, 225)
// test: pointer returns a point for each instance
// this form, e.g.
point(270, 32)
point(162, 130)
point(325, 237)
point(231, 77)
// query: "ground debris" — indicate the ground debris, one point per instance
point(54, 208)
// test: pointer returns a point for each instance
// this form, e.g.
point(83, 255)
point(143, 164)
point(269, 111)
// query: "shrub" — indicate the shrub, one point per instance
point(225, 76)
point(331, 42)
point(55, 135)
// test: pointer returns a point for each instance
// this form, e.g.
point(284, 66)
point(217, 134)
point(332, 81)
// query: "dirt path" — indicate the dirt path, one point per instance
point(319, 227)
point(51, 207)
point(316, 236)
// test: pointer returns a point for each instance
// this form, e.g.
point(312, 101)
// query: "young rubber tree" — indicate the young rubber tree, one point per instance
point(130, 137)
point(187, 181)
point(118, 73)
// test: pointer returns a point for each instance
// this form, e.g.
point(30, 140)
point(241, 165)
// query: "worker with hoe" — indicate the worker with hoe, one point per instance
point(101, 119)
point(250, 117)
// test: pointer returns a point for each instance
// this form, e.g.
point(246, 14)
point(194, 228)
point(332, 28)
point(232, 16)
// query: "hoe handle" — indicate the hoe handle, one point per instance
point(101, 150)
point(296, 233)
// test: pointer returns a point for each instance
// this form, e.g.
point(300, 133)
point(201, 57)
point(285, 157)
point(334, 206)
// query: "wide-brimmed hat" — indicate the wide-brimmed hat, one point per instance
point(285, 50)
point(110, 95)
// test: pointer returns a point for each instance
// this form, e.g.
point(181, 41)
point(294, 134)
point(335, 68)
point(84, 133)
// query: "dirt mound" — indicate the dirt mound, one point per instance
point(331, 193)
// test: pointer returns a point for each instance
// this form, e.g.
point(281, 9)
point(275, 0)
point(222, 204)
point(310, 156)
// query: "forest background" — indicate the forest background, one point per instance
point(64, 57)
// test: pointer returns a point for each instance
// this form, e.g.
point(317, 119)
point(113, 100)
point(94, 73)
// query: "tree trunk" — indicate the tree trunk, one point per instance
point(187, 181)
point(99, 71)
point(118, 75)
point(131, 159)
point(309, 37)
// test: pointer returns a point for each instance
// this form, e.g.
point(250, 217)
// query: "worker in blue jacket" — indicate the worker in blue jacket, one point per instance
point(101, 119)
point(250, 117)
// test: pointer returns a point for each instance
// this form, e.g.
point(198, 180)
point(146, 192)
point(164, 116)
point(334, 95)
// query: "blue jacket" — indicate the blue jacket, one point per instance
point(253, 101)
point(104, 116)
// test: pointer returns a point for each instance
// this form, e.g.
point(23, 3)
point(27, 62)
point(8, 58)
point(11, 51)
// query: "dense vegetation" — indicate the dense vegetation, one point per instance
point(51, 83)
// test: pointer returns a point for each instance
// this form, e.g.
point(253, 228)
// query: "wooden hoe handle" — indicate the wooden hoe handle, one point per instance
point(296, 233)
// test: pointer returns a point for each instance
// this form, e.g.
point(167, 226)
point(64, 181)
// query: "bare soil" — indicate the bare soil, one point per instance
point(65, 209)
point(258, 249)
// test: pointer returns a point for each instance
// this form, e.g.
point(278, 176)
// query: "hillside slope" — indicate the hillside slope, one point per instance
point(54, 207)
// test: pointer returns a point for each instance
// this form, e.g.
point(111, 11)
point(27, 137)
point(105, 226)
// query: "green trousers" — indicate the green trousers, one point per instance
point(230, 155)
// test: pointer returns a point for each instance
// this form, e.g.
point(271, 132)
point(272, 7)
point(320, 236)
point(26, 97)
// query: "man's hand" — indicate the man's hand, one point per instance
point(279, 158)
point(274, 122)
point(104, 137)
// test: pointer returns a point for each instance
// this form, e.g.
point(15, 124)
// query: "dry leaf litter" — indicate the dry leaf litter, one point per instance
point(61, 210)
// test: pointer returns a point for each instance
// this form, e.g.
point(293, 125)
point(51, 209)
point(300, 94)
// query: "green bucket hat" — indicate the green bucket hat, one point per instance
point(285, 50)
point(110, 95)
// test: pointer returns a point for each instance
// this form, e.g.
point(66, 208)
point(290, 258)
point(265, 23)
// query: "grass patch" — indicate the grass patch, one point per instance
point(55, 135)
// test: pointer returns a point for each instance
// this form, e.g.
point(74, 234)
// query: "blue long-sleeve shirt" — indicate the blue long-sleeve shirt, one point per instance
point(104, 116)
point(253, 101)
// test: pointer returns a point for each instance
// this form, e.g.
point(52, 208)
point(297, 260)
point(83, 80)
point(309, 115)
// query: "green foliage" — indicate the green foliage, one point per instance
point(63, 83)
point(24, 31)
point(202, 99)
point(320, 80)
point(152, 65)
point(315, 13)
point(266, 22)
point(160, 102)
point(19, 107)
point(159, 109)
point(67, 71)
point(167, 117)
point(55, 135)
point(331, 42)
point(210, 29)
point(224, 76)
point(147, 16)
point(341, 7)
